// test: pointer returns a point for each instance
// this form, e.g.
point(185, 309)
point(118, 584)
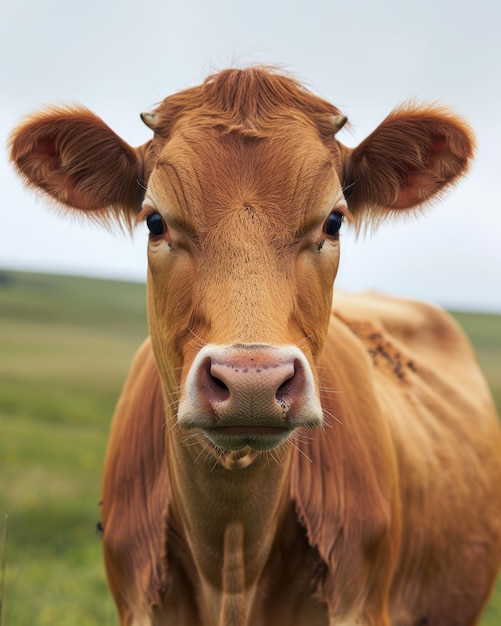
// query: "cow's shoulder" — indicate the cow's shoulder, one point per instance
point(403, 335)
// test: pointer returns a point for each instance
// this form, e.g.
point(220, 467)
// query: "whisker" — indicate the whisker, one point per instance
point(303, 438)
point(218, 458)
point(199, 455)
point(171, 405)
point(304, 340)
point(201, 341)
point(329, 390)
point(328, 414)
point(172, 426)
point(274, 456)
point(189, 440)
point(292, 443)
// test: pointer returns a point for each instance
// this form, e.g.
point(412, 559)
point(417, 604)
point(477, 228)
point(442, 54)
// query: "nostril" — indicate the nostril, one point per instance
point(284, 388)
point(291, 385)
point(284, 395)
point(219, 383)
point(210, 383)
point(218, 389)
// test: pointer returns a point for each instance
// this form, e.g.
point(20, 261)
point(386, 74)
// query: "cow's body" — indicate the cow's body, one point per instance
point(272, 460)
point(413, 363)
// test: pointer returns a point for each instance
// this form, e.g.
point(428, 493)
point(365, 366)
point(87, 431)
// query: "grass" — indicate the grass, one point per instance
point(485, 333)
point(65, 347)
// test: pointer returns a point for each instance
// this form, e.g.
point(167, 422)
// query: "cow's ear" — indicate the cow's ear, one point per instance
point(73, 156)
point(407, 161)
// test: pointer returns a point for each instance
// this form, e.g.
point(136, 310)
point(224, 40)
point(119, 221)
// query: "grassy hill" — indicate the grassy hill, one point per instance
point(65, 347)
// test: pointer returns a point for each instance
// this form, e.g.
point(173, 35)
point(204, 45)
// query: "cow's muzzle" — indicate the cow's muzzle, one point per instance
point(249, 395)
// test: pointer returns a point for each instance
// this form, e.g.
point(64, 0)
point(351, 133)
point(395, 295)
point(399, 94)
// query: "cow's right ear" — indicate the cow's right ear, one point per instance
point(73, 156)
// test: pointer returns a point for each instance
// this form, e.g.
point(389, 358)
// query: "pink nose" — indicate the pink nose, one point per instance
point(251, 384)
point(249, 395)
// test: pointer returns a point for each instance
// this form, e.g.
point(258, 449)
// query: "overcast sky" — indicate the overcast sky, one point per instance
point(121, 57)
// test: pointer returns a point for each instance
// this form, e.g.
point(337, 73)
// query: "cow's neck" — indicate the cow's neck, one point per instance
point(228, 510)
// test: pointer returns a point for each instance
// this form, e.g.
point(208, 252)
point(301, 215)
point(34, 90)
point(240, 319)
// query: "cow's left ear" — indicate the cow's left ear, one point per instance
point(412, 156)
point(73, 156)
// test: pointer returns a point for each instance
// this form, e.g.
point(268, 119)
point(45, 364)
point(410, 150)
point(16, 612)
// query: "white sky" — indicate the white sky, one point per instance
point(121, 57)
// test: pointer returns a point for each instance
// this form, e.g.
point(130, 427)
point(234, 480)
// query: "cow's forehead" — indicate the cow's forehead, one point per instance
point(203, 169)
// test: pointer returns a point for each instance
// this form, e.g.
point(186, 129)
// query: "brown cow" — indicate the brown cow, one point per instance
point(274, 460)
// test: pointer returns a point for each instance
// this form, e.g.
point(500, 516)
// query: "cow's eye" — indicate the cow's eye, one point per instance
point(155, 224)
point(333, 223)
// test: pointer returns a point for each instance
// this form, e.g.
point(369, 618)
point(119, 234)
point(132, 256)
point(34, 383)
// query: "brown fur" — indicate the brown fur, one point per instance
point(390, 513)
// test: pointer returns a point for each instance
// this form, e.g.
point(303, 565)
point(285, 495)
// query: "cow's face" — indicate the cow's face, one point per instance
point(243, 251)
point(246, 189)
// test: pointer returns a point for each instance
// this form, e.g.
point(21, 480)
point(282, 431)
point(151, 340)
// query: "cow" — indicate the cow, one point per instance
point(279, 456)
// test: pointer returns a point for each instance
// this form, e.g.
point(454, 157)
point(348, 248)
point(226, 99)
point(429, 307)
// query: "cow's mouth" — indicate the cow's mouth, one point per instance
point(260, 438)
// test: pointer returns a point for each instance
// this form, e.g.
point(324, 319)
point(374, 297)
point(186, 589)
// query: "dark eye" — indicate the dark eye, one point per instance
point(333, 223)
point(155, 224)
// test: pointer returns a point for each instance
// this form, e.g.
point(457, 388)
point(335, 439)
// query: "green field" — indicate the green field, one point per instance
point(65, 347)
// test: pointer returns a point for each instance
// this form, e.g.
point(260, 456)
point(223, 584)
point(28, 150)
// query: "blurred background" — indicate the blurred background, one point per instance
point(119, 58)
point(66, 341)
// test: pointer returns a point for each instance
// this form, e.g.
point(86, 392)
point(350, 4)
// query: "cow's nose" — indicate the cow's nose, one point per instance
point(251, 383)
point(255, 386)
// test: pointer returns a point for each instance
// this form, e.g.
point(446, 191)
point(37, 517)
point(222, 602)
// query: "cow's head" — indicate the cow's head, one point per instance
point(244, 189)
